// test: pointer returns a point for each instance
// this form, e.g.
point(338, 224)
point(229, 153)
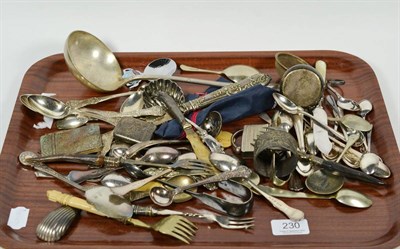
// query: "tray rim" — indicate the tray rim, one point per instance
point(395, 239)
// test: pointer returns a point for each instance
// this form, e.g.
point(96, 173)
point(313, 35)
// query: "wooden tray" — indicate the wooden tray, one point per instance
point(332, 225)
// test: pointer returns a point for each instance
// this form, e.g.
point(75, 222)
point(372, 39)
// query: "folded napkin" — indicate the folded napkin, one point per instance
point(251, 101)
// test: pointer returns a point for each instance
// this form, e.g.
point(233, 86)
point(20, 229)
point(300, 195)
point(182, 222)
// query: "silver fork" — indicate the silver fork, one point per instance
point(223, 221)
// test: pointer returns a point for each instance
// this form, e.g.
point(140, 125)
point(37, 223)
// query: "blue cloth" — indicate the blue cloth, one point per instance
point(252, 101)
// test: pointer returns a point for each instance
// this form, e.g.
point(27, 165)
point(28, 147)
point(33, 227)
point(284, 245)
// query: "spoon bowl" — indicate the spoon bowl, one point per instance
point(133, 102)
point(212, 123)
point(161, 154)
point(369, 163)
point(344, 103)
point(353, 198)
point(49, 106)
point(161, 66)
point(365, 107)
point(71, 122)
point(234, 73)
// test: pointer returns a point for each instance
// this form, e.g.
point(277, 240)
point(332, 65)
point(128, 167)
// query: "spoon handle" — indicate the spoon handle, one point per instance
point(76, 104)
point(227, 90)
point(241, 171)
point(137, 184)
point(278, 192)
point(175, 78)
point(198, 70)
point(151, 111)
point(290, 212)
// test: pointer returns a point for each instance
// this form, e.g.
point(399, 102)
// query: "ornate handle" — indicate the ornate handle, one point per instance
point(241, 171)
point(150, 211)
point(290, 212)
point(76, 104)
point(227, 90)
point(93, 160)
point(152, 111)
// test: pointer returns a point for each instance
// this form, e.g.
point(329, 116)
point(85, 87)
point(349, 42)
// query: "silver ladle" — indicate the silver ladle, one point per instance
point(94, 65)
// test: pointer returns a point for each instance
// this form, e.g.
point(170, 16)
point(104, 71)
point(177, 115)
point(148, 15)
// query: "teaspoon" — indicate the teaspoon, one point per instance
point(164, 197)
point(235, 73)
point(345, 196)
point(344, 103)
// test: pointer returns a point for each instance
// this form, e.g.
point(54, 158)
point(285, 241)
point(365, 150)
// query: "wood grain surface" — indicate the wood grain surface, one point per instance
point(332, 225)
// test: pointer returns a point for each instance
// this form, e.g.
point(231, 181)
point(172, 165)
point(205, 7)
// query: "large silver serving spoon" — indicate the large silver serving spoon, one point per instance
point(345, 196)
point(95, 65)
point(235, 73)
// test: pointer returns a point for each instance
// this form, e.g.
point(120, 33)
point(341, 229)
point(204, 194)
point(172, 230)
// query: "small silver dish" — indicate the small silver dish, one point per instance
point(56, 223)
point(168, 86)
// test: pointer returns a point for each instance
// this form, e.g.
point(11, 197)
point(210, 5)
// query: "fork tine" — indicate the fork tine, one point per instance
point(180, 236)
point(183, 232)
point(241, 219)
point(239, 226)
point(188, 225)
point(231, 222)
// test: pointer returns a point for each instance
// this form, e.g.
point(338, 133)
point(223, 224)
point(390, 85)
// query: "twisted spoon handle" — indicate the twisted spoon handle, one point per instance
point(150, 211)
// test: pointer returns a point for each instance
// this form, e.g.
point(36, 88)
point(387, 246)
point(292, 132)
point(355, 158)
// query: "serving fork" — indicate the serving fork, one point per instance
point(175, 226)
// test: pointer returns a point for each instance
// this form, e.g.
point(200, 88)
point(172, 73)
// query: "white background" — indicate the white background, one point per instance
point(32, 30)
